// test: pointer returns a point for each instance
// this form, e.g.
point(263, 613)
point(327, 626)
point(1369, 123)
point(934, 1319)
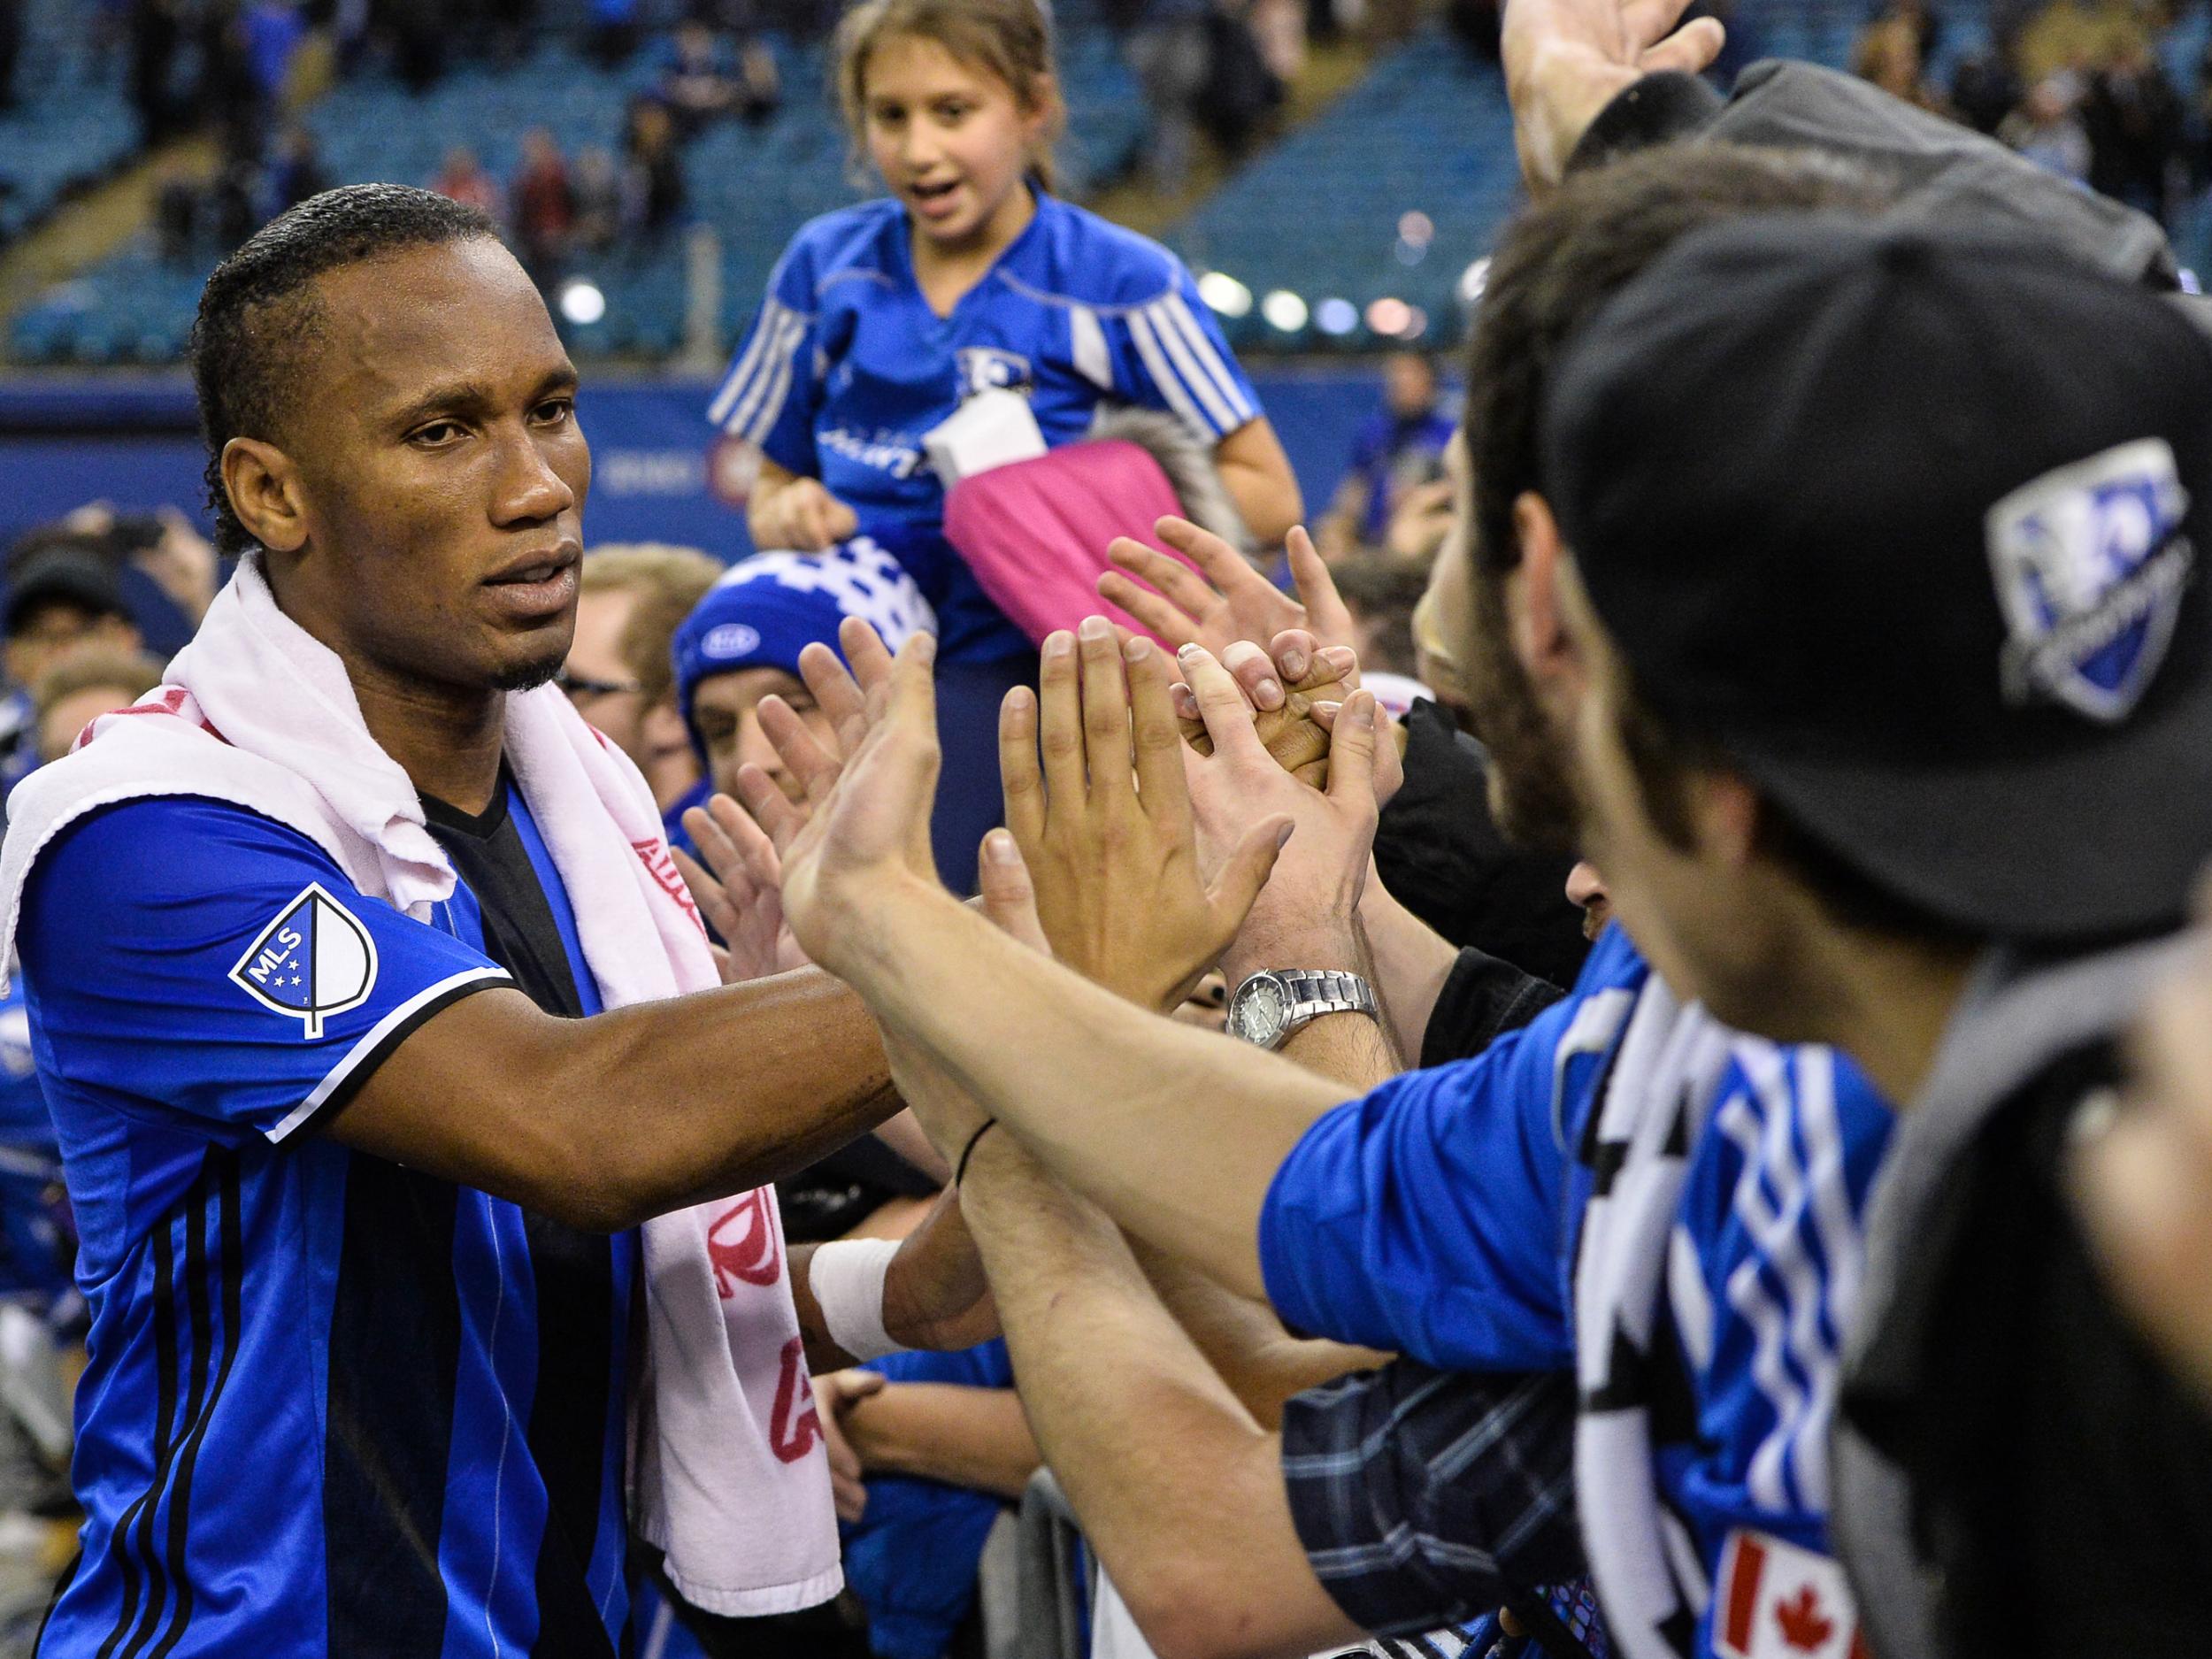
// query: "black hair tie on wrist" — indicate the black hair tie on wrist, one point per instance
point(960, 1170)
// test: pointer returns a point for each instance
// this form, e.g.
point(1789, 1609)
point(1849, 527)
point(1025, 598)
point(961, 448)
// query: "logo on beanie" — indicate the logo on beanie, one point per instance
point(2091, 562)
point(731, 639)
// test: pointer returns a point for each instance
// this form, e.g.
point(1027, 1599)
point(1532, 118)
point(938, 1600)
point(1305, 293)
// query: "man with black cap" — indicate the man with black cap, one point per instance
point(1898, 735)
point(59, 594)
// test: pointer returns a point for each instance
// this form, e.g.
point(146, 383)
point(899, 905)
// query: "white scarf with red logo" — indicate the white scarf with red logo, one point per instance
point(727, 1473)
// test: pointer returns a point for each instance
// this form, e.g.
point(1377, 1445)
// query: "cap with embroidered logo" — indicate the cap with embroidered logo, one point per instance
point(1908, 522)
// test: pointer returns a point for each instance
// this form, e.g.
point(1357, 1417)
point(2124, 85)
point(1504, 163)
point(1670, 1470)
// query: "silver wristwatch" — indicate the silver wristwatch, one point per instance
point(1274, 1003)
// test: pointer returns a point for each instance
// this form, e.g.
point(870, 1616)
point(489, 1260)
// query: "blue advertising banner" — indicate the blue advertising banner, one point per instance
point(657, 474)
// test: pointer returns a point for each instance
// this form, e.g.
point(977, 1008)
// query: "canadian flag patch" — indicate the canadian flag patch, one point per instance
point(1776, 1601)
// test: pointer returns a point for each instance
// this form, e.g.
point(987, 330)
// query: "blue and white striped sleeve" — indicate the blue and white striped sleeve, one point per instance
point(1178, 361)
point(771, 392)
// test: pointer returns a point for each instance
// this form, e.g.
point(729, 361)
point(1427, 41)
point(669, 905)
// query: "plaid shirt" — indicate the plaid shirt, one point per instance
point(1427, 1499)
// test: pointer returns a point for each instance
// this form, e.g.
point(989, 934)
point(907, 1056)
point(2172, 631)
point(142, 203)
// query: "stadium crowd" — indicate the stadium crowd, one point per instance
point(1617, 1064)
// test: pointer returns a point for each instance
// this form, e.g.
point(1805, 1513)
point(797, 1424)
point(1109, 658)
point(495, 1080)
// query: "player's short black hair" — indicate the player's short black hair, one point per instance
point(257, 311)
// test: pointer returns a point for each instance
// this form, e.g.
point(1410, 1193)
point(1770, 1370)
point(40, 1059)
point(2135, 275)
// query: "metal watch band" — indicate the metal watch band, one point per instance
point(1314, 992)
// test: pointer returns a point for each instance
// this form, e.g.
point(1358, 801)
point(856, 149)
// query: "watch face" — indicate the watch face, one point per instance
point(1261, 1010)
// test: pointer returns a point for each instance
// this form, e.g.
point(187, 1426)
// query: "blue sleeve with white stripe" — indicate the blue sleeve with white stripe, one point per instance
point(1173, 357)
point(1426, 1217)
point(199, 966)
point(770, 395)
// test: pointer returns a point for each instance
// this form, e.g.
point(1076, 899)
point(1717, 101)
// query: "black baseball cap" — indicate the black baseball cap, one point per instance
point(62, 572)
point(1908, 522)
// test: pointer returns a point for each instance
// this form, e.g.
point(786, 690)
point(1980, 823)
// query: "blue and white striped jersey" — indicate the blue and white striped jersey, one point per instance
point(1625, 1189)
point(846, 367)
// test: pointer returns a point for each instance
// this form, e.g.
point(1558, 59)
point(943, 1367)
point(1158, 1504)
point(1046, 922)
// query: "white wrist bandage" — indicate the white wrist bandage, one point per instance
point(847, 1279)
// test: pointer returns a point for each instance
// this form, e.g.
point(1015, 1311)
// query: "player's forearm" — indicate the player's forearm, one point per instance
point(1177, 1487)
point(1178, 1133)
point(1352, 1049)
point(1243, 1340)
point(1257, 473)
point(1411, 962)
point(679, 1102)
point(971, 1437)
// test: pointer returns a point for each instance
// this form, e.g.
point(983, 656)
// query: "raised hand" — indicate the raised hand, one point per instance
point(739, 889)
point(1231, 601)
point(1096, 804)
point(1565, 60)
point(1305, 917)
point(862, 829)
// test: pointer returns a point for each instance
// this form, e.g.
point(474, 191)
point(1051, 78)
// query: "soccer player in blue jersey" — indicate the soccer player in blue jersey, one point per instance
point(359, 1191)
point(969, 276)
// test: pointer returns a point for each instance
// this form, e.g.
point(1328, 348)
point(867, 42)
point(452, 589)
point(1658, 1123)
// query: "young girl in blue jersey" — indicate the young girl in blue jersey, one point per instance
point(880, 319)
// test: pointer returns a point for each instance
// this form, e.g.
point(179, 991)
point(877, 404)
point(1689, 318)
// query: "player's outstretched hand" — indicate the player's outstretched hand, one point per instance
point(737, 883)
point(1230, 600)
point(1565, 60)
point(1310, 899)
point(2146, 1183)
point(1097, 805)
point(864, 828)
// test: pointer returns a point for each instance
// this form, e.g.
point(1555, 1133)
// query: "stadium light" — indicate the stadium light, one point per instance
point(1225, 294)
point(1392, 317)
point(583, 303)
point(1285, 310)
point(1337, 317)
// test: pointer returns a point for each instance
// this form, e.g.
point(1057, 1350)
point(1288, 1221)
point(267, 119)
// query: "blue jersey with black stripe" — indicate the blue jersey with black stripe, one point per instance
point(846, 367)
point(334, 1406)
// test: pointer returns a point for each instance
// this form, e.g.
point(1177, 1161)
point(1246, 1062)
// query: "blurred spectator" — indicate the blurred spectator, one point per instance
point(417, 30)
point(2045, 130)
point(1170, 50)
point(1382, 594)
point(1891, 51)
point(11, 49)
point(652, 170)
point(2067, 35)
point(698, 82)
point(544, 206)
point(82, 683)
point(176, 214)
point(1475, 23)
point(1279, 29)
point(614, 31)
point(297, 172)
point(156, 30)
point(1239, 92)
point(617, 674)
point(464, 178)
point(597, 188)
point(1399, 447)
point(273, 30)
point(61, 594)
point(2135, 121)
point(1984, 89)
